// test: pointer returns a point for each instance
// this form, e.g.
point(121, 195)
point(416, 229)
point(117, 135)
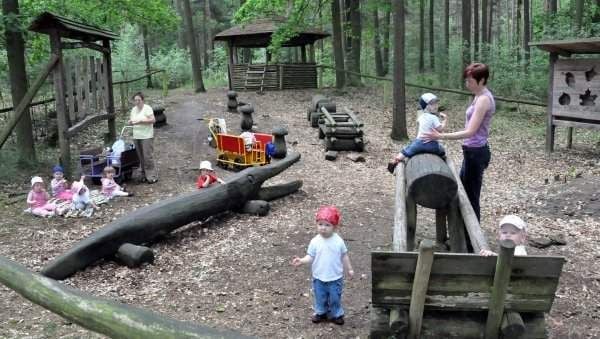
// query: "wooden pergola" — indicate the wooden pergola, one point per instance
point(244, 75)
point(573, 87)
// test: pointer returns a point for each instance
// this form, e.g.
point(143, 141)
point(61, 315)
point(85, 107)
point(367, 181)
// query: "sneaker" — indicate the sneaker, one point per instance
point(318, 318)
point(338, 321)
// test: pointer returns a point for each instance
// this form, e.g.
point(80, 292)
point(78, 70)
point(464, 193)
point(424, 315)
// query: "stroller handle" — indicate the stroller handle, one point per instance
point(123, 130)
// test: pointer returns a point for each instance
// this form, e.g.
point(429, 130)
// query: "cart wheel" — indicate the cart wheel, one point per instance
point(321, 133)
point(238, 160)
point(314, 119)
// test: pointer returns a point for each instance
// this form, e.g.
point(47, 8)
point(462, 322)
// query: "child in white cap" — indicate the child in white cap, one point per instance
point(207, 176)
point(513, 228)
point(81, 197)
point(428, 120)
point(37, 199)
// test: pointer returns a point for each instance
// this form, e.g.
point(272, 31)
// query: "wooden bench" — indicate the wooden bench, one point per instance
point(457, 289)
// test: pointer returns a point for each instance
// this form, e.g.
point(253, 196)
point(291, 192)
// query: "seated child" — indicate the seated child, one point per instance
point(428, 120)
point(81, 197)
point(37, 199)
point(513, 228)
point(110, 188)
point(59, 185)
point(207, 176)
point(249, 140)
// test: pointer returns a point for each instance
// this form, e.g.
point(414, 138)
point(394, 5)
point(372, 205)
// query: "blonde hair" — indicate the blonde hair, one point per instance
point(108, 169)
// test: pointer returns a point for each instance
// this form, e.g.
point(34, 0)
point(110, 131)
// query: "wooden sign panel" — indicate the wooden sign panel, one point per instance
point(576, 92)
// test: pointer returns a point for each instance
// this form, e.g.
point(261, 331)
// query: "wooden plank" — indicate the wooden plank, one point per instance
point(467, 264)
point(411, 222)
point(456, 228)
point(100, 86)
point(92, 77)
point(61, 108)
point(88, 120)
point(399, 233)
point(500, 289)
point(567, 123)
point(549, 126)
point(70, 97)
point(31, 92)
point(478, 240)
point(419, 289)
point(110, 100)
point(77, 87)
point(84, 90)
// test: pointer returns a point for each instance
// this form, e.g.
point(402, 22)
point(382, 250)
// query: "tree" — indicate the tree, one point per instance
point(446, 40)
point(466, 32)
point(399, 131)
point(191, 39)
point(421, 35)
point(338, 51)
point(476, 29)
point(578, 15)
point(355, 40)
point(377, 43)
point(526, 31)
point(15, 53)
point(431, 50)
point(484, 23)
point(386, 41)
point(146, 56)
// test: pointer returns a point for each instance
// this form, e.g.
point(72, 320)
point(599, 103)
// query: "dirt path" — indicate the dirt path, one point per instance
point(234, 271)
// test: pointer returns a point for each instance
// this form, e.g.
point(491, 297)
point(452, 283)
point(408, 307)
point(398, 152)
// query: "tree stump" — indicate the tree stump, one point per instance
point(160, 119)
point(247, 121)
point(430, 181)
point(232, 102)
point(134, 256)
point(279, 134)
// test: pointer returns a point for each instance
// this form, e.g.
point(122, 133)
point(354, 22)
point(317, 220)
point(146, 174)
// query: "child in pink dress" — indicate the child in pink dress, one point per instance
point(59, 184)
point(110, 188)
point(37, 199)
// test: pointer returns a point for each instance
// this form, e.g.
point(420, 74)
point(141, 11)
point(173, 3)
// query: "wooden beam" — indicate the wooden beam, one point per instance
point(499, 289)
point(61, 105)
point(440, 226)
point(411, 222)
point(110, 99)
point(399, 234)
point(419, 289)
point(24, 104)
point(84, 44)
point(550, 129)
point(89, 119)
point(456, 228)
point(476, 236)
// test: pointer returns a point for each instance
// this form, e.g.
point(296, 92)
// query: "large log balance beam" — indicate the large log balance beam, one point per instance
point(103, 316)
point(147, 224)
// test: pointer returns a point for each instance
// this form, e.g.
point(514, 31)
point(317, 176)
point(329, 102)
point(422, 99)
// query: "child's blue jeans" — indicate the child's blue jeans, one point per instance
point(328, 297)
point(418, 146)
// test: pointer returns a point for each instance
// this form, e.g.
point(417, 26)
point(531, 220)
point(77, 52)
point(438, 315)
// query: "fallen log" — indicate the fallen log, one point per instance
point(111, 318)
point(256, 207)
point(270, 193)
point(134, 256)
point(146, 224)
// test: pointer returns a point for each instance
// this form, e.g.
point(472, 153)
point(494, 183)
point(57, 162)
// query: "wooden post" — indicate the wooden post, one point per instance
point(512, 325)
point(440, 225)
point(419, 288)
point(411, 222)
point(61, 108)
point(230, 62)
point(550, 128)
point(303, 53)
point(501, 280)
point(281, 69)
point(93, 89)
point(399, 235)
point(110, 107)
point(72, 98)
point(569, 137)
point(456, 229)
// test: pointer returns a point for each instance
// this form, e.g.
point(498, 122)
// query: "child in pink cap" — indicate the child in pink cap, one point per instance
point(328, 255)
point(37, 199)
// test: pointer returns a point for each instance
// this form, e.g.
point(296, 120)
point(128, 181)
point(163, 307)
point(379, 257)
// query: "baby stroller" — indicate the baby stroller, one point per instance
point(122, 156)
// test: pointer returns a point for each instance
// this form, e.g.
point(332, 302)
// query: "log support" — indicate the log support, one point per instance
point(134, 256)
point(419, 289)
point(499, 289)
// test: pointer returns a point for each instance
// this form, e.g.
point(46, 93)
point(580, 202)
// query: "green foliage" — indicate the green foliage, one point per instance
point(128, 56)
point(216, 72)
point(562, 26)
point(177, 64)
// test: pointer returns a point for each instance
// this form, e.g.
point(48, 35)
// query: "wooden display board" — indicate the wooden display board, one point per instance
point(576, 90)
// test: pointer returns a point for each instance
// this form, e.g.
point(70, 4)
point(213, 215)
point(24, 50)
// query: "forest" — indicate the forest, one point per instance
point(232, 271)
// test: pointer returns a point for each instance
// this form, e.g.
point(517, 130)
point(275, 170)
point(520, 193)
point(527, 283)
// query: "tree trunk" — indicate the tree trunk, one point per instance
point(421, 36)
point(147, 224)
point(377, 44)
point(15, 53)
point(338, 50)
point(578, 15)
point(446, 57)
point(195, 55)
point(526, 31)
point(206, 33)
point(484, 24)
point(146, 56)
point(386, 42)
point(399, 131)
point(111, 318)
point(490, 27)
point(431, 49)
point(476, 29)
point(466, 32)
point(517, 32)
point(355, 38)
point(181, 38)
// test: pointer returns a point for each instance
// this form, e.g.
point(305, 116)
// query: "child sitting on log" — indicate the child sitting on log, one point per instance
point(207, 176)
point(58, 184)
point(513, 228)
point(429, 119)
point(328, 255)
point(110, 188)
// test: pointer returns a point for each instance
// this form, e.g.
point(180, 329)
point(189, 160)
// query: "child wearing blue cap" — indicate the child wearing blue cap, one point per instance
point(429, 119)
point(59, 184)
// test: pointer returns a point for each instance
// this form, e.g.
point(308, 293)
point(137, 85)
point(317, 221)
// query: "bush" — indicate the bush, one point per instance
point(176, 63)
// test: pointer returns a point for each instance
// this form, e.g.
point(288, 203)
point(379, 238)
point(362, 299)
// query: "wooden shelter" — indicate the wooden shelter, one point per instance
point(244, 75)
point(573, 87)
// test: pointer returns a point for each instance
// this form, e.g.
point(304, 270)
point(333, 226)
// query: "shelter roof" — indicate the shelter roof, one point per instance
point(568, 47)
point(258, 34)
point(68, 28)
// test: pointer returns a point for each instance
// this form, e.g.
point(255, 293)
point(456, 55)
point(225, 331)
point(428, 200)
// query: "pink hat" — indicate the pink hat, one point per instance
point(330, 214)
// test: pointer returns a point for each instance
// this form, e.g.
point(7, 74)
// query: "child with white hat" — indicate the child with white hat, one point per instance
point(513, 228)
point(207, 176)
point(81, 198)
point(37, 199)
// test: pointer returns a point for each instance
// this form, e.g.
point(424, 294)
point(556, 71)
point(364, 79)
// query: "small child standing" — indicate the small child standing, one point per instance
point(328, 255)
point(81, 198)
point(207, 176)
point(37, 199)
point(429, 119)
point(110, 188)
point(513, 228)
point(58, 184)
